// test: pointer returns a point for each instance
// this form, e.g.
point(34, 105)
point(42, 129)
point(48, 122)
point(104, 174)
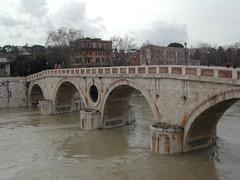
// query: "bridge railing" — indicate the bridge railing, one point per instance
point(216, 72)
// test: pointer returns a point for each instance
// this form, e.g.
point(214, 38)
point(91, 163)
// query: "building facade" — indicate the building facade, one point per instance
point(154, 55)
point(134, 57)
point(89, 52)
point(122, 58)
point(4, 67)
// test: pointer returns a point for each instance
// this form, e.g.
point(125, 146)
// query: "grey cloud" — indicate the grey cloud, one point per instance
point(9, 21)
point(73, 15)
point(32, 21)
point(163, 33)
point(36, 8)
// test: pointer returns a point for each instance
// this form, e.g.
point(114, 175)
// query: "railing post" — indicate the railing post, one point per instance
point(169, 69)
point(215, 73)
point(234, 74)
point(184, 70)
point(198, 71)
point(157, 69)
point(127, 69)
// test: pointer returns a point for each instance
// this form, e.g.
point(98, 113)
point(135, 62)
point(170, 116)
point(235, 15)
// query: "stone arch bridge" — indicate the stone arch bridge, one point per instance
point(186, 101)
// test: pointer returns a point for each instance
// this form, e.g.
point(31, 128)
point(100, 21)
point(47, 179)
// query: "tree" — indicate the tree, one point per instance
point(9, 52)
point(58, 42)
point(121, 49)
point(221, 56)
point(212, 56)
point(63, 36)
point(125, 43)
point(197, 54)
point(146, 43)
point(237, 57)
point(25, 65)
point(230, 56)
point(236, 45)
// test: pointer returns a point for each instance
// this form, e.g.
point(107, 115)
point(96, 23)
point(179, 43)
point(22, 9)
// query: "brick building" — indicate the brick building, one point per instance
point(89, 52)
point(134, 57)
point(130, 58)
point(153, 55)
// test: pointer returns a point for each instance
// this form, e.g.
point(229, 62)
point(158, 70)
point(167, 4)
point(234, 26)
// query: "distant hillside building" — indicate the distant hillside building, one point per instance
point(89, 52)
point(4, 67)
point(24, 50)
point(154, 55)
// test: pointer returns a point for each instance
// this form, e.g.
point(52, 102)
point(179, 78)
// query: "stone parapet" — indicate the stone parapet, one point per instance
point(212, 74)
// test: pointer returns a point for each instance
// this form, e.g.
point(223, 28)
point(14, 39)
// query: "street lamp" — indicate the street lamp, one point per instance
point(208, 53)
point(185, 52)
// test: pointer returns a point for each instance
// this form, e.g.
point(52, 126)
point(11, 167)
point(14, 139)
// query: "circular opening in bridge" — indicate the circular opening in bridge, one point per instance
point(93, 93)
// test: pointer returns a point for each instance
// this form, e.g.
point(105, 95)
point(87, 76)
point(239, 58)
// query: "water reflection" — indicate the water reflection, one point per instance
point(54, 147)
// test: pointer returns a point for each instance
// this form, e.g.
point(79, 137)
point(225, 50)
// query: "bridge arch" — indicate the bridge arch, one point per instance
point(200, 128)
point(35, 94)
point(118, 95)
point(68, 97)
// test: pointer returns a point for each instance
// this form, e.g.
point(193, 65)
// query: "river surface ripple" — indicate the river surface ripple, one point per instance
point(53, 147)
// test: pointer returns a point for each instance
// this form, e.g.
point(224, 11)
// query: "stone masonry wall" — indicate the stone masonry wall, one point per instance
point(13, 92)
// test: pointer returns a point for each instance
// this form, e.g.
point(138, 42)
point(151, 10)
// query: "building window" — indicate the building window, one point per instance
point(103, 60)
point(97, 60)
point(92, 60)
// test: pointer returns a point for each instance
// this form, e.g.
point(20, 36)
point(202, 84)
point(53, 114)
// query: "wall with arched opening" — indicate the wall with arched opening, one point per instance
point(116, 110)
point(68, 98)
point(35, 95)
point(200, 129)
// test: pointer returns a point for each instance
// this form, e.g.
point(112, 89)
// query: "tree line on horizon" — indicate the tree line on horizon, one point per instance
point(218, 56)
point(57, 50)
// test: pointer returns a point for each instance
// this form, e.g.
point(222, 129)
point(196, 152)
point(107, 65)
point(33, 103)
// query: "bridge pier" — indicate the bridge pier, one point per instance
point(46, 107)
point(166, 139)
point(90, 119)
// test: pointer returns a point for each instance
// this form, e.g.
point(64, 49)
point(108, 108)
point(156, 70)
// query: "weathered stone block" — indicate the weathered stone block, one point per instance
point(176, 70)
point(166, 140)
point(90, 119)
point(46, 107)
point(191, 71)
point(225, 74)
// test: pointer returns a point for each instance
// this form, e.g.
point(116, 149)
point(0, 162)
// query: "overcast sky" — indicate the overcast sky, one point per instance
point(157, 21)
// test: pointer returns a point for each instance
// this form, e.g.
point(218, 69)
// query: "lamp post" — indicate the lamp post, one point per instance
point(185, 52)
point(208, 54)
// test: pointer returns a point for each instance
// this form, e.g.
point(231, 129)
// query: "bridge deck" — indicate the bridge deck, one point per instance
point(131, 71)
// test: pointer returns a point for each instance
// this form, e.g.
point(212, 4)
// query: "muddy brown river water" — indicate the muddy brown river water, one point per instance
point(53, 147)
